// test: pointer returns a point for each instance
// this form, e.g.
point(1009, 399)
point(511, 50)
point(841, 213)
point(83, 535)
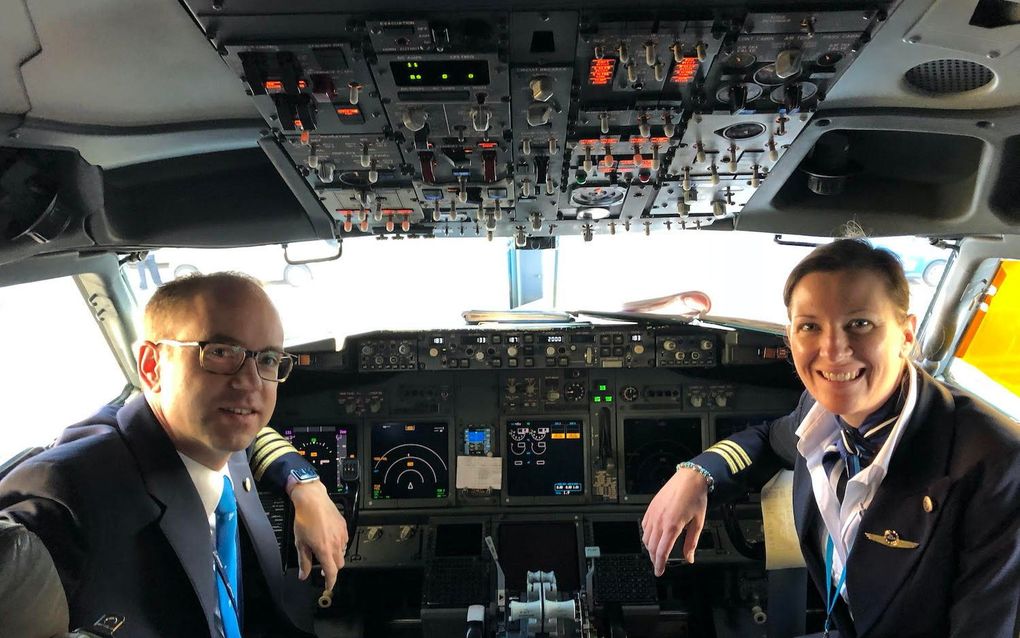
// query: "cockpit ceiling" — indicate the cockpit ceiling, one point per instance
point(520, 121)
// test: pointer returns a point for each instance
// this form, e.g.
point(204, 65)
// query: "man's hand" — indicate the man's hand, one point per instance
point(680, 504)
point(319, 530)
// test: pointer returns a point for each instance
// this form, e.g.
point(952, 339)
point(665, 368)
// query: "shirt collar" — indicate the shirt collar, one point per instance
point(209, 483)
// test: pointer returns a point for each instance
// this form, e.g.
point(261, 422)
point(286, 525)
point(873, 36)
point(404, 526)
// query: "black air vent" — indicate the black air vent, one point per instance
point(948, 76)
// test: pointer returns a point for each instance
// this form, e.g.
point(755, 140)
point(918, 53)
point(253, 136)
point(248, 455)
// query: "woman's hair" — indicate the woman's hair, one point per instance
point(854, 254)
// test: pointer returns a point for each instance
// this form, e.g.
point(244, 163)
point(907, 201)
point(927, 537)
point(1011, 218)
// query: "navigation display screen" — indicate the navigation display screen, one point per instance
point(652, 447)
point(324, 446)
point(545, 457)
point(410, 460)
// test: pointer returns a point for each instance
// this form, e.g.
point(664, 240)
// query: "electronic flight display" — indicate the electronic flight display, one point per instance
point(410, 461)
point(652, 448)
point(324, 446)
point(545, 457)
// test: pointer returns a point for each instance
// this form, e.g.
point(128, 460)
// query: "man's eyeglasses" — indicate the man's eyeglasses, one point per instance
point(225, 358)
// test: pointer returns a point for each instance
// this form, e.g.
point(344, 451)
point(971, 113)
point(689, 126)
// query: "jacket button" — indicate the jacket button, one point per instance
point(891, 536)
point(928, 504)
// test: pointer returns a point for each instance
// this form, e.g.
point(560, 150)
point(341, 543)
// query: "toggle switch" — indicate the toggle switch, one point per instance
point(326, 172)
point(354, 92)
point(623, 53)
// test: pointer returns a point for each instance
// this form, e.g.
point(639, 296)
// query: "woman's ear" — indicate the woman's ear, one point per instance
point(909, 335)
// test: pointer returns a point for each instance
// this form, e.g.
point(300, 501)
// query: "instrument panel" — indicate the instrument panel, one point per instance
point(590, 415)
point(554, 457)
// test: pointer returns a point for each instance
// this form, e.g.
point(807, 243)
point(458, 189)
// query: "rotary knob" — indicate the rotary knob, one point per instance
point(539, 114)
point(541, 88)
point(414, 119)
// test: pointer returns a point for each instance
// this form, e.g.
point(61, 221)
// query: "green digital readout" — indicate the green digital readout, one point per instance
point(441, 73)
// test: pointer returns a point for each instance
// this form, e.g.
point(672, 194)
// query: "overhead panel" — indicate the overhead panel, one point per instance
point(590, 122)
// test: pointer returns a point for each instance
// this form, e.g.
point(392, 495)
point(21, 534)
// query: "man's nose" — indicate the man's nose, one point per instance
point(248, 375)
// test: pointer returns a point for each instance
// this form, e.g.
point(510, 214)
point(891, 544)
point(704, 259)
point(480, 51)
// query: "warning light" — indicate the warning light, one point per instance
point(277, 85)
point(446, 76)
point(471, 76)
point(600, 72)
point(347, 111)
point(684, 71)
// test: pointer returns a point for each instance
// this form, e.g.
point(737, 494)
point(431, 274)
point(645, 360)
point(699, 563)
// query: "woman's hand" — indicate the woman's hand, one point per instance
point(680, 504)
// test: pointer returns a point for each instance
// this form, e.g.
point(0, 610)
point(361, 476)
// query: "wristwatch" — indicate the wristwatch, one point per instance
point(303, 475)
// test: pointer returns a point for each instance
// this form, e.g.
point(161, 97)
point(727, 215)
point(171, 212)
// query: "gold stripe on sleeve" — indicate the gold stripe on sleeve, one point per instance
point(267, 459)
point(725, 454)
point(733, 447)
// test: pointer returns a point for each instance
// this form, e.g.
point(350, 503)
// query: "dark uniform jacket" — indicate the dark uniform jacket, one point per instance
point(958, 458)
point(123, 521)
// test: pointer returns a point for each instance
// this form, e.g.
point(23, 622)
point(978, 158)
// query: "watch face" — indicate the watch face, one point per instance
point(304, 475)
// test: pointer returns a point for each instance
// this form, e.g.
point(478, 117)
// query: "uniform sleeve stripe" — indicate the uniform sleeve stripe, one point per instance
point(264, 447)
point(734, 453)
point(264, 465)
point(268, 434)
point(733, 447)
point(726, 457)
point(270, 450)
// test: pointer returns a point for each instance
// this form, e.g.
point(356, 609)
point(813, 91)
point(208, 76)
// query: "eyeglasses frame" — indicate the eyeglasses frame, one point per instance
point(248, 354)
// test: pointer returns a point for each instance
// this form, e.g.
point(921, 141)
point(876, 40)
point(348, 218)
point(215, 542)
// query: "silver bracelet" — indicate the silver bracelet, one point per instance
point(700, 470)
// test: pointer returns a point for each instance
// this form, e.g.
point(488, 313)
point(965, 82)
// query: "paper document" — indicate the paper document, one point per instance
point(782, 545)
point(479, 472)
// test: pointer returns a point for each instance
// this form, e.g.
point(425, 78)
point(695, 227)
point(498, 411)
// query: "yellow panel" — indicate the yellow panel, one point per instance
point(992, 341)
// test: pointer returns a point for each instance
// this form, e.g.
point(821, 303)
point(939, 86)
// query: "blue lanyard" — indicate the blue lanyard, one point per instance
point(853, 467)
point(831, 596)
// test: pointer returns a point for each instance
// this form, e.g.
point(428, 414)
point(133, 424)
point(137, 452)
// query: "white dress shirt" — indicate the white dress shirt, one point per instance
point(818, 431)
point(209, 484)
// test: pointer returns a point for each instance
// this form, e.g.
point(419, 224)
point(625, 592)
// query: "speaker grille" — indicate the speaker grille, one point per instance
point(948, 76)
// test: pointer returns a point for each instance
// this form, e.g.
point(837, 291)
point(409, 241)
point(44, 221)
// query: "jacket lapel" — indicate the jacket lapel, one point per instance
point(256, 523)
point(170, 486)
point(879, 565)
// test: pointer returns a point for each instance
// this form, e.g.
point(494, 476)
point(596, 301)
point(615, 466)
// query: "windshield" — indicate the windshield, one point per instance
point(421, 284)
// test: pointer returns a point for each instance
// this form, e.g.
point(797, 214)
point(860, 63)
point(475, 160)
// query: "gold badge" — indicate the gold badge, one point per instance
point(247, 484)
point(890, 538)
point(927, 504)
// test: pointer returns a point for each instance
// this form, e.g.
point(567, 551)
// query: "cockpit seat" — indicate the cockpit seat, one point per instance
point(32, 601)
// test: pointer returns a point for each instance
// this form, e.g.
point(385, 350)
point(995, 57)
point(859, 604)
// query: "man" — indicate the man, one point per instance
point(150, 513)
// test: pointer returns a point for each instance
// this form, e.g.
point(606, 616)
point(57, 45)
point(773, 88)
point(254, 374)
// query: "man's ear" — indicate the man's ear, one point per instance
point(148, 365)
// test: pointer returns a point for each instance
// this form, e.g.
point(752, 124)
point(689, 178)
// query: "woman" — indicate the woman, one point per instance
point(913, 487)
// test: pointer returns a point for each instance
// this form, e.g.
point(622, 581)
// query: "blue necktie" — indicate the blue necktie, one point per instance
point(226, 560)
